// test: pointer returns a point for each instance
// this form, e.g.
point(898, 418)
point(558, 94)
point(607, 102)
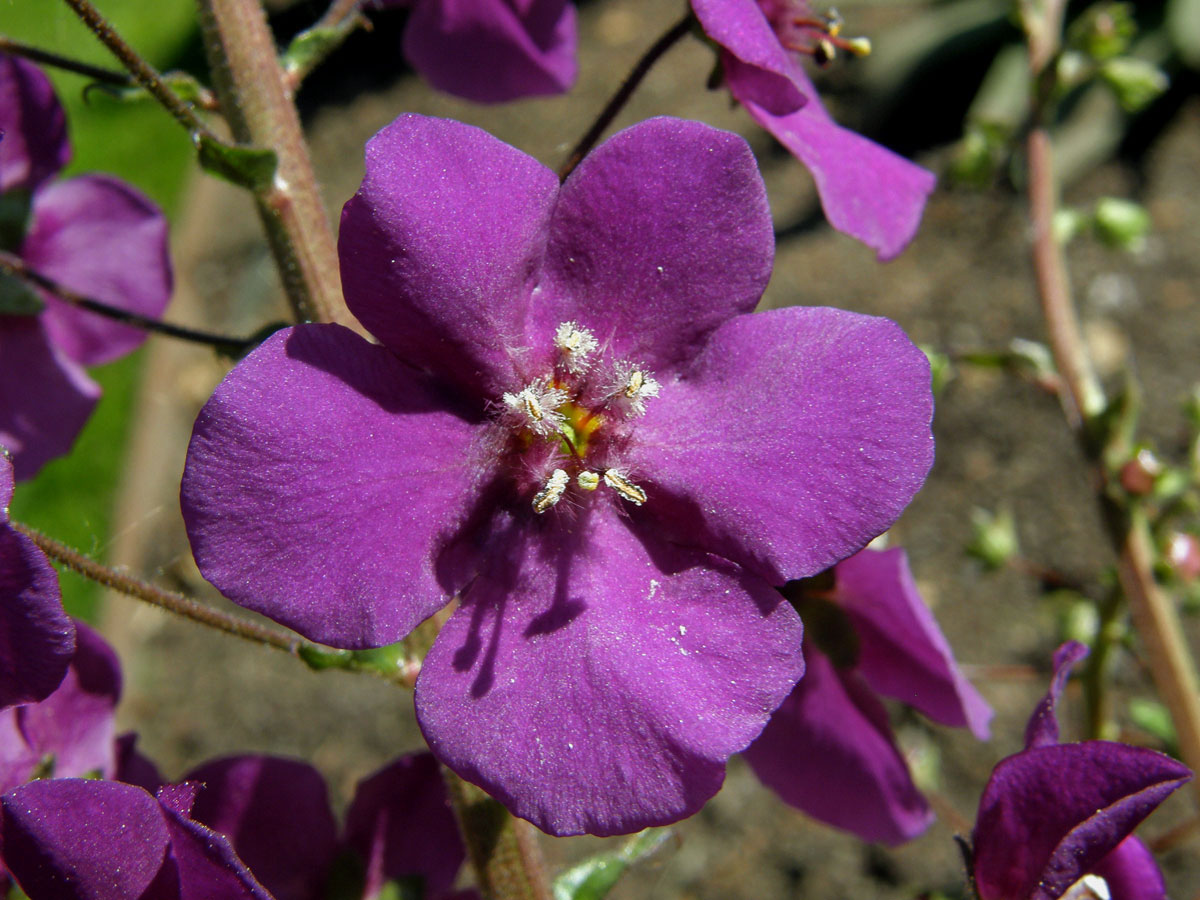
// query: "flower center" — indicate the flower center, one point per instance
point(818, 36)
point(570, 427)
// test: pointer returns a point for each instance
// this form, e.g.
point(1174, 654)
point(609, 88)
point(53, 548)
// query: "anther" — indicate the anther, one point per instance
point(537, 407)
point(623, 486)
point(575, 344)
point(588, 481)
point(635, 386)
point(551, 492)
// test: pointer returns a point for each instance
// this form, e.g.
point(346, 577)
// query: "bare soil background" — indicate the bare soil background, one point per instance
point(964, 283)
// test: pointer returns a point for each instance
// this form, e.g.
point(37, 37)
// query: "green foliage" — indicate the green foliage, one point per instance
point(248, 167)
point(595, 877)
point(993, 537)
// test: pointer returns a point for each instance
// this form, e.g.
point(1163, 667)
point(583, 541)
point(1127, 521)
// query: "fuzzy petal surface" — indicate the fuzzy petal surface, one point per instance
point(753, 55)
point(276, 814)
point(76, 839)
point(45, 398)
point(796, 437)
point(1042, 728)
point(903, 653)
point(100, 237)
point(661, 234)
point(1048, 815)
point(828, 750)
point(866, 190)
point(37, 637)
point(320, 481)
point(596, 680)
point(492, 51)
point(401, 825)
point(75, 724)
point(1131, 872)
point(34, 125)
point(441, 246)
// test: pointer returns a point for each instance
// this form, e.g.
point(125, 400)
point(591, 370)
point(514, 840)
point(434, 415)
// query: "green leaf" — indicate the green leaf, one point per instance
point(308, 48)
point(17, 298)
point(1183, 28)
point(1136, 82)
point(248, 167)
point(592, 879)
point(1151, 716)
point(993, 537)
point(186, 87)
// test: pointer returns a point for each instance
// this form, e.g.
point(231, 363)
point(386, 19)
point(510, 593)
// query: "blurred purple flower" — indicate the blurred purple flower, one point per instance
point(491, 51)
point(1056, 818)
point(867, 191)
point(93, 234)
point(572, 423)
point(829, 750)
point(37, 638)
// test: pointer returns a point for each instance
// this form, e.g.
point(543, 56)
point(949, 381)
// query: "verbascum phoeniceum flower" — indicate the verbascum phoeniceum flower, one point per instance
point(1057, 820)
point(866, 190)
point(491, 51)
point(93, 234)
point(574, 425)
point(829, 750)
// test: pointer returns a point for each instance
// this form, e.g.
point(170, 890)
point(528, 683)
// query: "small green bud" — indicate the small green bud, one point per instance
point(941, 369)
point(994, 537)
point(1068, 224)
point(1079, 621)
point(1136, 82)
point(1121, 223)
point(1104, 31)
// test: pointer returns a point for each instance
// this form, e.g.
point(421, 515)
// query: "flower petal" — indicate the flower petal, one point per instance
point(67, 838)
point(45, 398)
point(276, 814)
point(1049, 815)
point(491, 51)
point(205, 861)
point(1042, 728)
point(797, 436)
point(597, 681)
point(34, 126)
point(321, 478)
point(37, 637)
point(828, 750)
point(441, 245)
point(75, 724)
point(866, 190)
point(903, 653)
point(660, 235)
point(1131, 872)
point(100, 237)
point(753, 56)
point(401, 824)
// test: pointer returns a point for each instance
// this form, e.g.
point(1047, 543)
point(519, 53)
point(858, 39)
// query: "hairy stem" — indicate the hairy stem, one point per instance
point(253, 92)
point(15, 266)
point(143, 73)
point(672, 36)
point(503, 849)
point(1154, 614)
point(342, 18)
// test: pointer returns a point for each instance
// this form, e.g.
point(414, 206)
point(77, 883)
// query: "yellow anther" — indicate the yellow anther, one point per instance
point(588, 481)
point(623, 486)
point(551, 492)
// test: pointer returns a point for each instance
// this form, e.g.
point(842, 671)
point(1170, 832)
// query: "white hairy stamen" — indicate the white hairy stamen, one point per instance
point(1089, 887)
point(537, 407)
point(551, 492)
point(588, 481)
point(633, 387)
point(575, 344)
point(629, 491)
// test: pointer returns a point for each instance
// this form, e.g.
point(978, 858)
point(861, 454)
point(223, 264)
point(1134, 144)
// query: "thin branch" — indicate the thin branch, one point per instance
point(15, 266)
point(145, 74)
point(672, 36)
point(343, 17)
point(46, 58)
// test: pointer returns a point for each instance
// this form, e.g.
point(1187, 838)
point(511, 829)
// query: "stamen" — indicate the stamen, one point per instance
point(587, 480)
point(1089, 887)
point(634, 387)
point(575, 344)
point(537, 407)
point(551, 492)
point(616, 480)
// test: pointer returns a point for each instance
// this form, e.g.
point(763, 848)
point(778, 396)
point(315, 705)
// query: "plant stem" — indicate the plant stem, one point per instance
point(15, 266)
point(142, 71)
point(624, 92)
point(502, 848)
point(46, 58)
point(252, 90)
point(1154, 614)
point(337, 19)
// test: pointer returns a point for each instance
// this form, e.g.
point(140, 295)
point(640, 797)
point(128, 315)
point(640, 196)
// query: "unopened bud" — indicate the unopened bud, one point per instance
point(1139, 474)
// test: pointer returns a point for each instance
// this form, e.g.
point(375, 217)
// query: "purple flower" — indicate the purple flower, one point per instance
point(1055, 815)
point(93, 234)
point(573, 424)
point(491, 51)
point(867, 191)
point(829, 750)
point(37, 638)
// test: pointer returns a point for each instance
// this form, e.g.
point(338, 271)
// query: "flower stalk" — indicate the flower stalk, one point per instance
point(253, 91)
